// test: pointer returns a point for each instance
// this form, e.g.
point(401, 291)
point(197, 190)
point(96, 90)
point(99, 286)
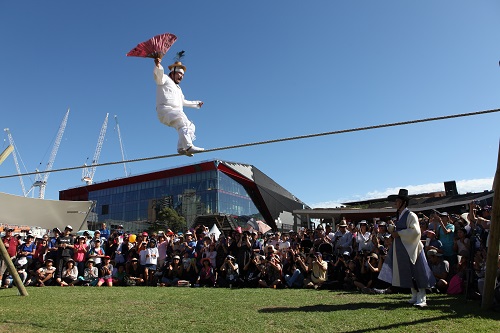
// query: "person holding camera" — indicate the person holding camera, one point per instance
point(297, 270)
point(271, 276)
point(405, 265)
point(317, 270)
point(230, 273)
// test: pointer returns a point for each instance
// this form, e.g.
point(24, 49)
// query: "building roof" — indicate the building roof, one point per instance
point(270, 198)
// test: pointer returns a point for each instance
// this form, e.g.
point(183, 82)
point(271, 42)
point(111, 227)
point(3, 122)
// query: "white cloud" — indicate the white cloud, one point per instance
point(463, 186)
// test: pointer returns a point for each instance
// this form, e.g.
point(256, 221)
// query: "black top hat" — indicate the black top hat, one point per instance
point(403, 195)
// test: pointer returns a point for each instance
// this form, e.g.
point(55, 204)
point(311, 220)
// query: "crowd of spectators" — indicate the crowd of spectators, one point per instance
point(344, 256)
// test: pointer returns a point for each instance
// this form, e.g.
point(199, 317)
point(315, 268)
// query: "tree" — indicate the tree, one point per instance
point(172, 219)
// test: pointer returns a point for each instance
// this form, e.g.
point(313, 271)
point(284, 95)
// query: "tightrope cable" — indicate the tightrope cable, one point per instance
point(299, 137)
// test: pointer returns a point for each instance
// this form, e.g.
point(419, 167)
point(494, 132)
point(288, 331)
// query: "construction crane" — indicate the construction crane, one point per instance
point(41, 178)
point(88, 172)
point(121, 145)
point(14, 155)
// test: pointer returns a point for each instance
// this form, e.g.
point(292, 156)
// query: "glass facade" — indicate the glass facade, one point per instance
point(191, 195)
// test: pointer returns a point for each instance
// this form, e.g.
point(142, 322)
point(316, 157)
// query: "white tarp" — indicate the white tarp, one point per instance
point(47, 214)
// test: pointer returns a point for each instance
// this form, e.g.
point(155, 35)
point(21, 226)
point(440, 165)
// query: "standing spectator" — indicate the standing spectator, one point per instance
point(97, 253)
point(65, 245)
point(446, 234)
point(52, 254)
point(162, 249)
point(121, 253)
point(27, 250)
point(405, 265)
point(10, 242)
point(462, 243)
point(41, 250)
point(80, 254)
point(363, 237)
point(149, 258)
point(210, 253)
point(342, 239)
point(105, 231)
point(431, 243)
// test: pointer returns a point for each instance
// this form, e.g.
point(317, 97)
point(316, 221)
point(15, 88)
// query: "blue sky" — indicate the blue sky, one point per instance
point(265, 70)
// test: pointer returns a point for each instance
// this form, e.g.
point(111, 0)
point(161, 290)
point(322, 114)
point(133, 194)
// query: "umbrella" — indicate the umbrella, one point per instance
point(259, 226)
point(81, 232)
point(155, 47)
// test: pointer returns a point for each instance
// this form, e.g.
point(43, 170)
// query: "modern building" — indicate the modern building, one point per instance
point(209, 192)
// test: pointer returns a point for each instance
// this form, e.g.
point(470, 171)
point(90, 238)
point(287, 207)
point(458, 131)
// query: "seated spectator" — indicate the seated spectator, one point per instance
point(173, 274)
point(135, 274)
point(317, 270)
point(230, 273)
point(119, 275)
point(69, 275)
point(369, 273)
point(297, 271)
point(352, 275)
point(190, 270)
point(252, 271)
point(271, 276)
point(440, 268)
point(106, 273)
point(90, 274)
point(207, 274)
point(45, 274)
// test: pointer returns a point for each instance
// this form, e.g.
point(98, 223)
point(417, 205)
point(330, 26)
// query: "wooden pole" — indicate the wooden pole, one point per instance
point(6, 153)
point(12, 270)
point(494, 244)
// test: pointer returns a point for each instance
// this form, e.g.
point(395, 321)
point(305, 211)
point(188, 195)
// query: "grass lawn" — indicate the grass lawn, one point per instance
point(148, 309)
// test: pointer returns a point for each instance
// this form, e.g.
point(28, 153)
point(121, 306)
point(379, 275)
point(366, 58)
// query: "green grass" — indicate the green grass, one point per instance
point(143, 309)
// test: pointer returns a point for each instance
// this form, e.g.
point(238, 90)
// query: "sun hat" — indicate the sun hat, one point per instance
point(433, 252)
point(177, 65)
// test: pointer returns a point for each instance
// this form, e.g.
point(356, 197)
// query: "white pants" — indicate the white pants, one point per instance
point(178, 120)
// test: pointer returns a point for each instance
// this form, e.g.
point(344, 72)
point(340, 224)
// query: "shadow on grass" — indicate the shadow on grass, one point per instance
point(446, 308)
point(40, 326)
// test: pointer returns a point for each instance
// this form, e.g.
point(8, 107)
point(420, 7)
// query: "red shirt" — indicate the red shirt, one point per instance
point(11, 245)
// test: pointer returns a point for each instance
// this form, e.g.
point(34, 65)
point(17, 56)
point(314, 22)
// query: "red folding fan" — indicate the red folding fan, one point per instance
point(155, 47)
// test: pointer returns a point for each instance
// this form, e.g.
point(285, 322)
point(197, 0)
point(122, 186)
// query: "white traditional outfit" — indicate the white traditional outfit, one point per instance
point(405, 264)
point(169, 107)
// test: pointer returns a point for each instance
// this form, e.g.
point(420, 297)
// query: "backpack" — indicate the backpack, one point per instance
point(456, 285)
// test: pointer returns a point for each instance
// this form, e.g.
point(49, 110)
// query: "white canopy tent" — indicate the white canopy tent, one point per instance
point(45, 214)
